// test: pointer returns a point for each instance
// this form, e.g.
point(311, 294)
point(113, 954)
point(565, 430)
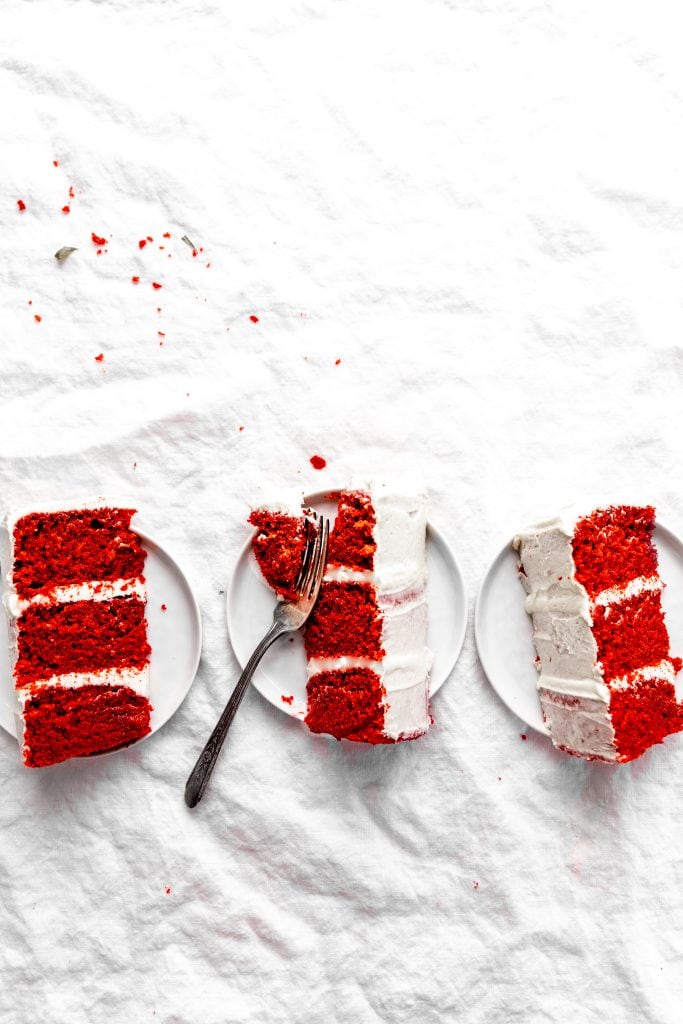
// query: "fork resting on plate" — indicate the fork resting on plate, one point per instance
point(287, 617)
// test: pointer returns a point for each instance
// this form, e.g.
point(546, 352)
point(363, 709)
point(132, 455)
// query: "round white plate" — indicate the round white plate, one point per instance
point(175, 636)
point(282, 673)
point(503, 629)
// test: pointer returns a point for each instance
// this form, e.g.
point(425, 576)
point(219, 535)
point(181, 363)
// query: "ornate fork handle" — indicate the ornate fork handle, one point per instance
point(201, 773)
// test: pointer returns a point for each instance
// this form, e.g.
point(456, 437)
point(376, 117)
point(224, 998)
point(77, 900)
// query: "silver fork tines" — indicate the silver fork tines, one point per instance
point(288, 616)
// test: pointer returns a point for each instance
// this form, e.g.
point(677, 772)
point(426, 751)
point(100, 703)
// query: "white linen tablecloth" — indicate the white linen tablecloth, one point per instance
point(477, 207)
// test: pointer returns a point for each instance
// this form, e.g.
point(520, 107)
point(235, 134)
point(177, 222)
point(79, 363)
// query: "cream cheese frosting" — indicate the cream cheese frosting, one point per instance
point(574, 697)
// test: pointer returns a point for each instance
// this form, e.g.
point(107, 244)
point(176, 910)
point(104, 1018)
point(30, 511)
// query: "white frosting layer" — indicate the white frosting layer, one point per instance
point(561, 614)
point(106, 590)
point(400, 531)
point(634, 588)
point(286, 502)
point(134, 678)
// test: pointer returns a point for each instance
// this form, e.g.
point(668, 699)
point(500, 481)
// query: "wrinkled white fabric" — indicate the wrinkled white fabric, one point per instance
point(476, 207)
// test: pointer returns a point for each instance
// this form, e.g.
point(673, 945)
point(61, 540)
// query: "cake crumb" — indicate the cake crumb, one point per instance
point(142, 243)
point(164, 608)
point(55, 163)
point(253, 318)
point(135, 280)
point(99, 358)
point(287, 700)
point(241, 429)
point(98, 239)
point(155, 284)
point(475, 885)
point(337, 362)
point(523, 735)
point(21, 204)
point(66, 209)
point(37, 317)
point(318, 462)
point(167, 234)
point(167, 890)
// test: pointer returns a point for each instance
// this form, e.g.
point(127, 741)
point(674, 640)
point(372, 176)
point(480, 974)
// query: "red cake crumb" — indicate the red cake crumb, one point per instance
point(167, 890)
point(63, 722)
point(523, 735)
point(37, 317)
point(287, 700)
point(156, 285)
point(21, 204)
point(98, 239)
point(337, 362)
point(71, 192)
point(142, 243)
point(66, 209)
point(347, 705)
point(318, 462)
point(135, 280)
point(345, 621)
point(167, 234)
point(55, 163)
point(164, 608)
point(81, 636)
point(254, 319)
point(613, 546)
point(279, 549)
point(642, 715)
point(60, 548)
point(99, 358)
point(351, 541)
point(630, 634)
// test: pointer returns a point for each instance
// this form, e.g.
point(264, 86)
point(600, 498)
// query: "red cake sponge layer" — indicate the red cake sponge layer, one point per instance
point(347, 704)
point(613, 546)
point(81, 636)
point(61, 723)
point(279, 549)
point(642, 715)
point(630, 634)
point(344, 622)
point(352, 541)
point(56, 549)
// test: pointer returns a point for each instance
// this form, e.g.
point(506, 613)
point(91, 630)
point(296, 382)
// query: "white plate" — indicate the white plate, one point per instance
point(503, 629)
point(175, 636)
point(282, 673)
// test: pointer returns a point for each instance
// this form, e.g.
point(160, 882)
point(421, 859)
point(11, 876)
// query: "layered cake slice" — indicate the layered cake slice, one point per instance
point(367, 661)
point(75, 600)
point(593, 589)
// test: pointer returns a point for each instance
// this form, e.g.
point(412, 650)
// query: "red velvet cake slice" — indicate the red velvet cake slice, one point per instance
point(594, 593)
point(76, 600)
point(368, 664)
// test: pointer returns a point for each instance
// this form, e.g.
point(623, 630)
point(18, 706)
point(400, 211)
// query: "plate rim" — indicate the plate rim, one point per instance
point(147, 539)
point(328, 494)
point(506, 548)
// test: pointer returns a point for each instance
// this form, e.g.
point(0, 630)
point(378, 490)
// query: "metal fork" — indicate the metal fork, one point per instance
point(288, 616)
